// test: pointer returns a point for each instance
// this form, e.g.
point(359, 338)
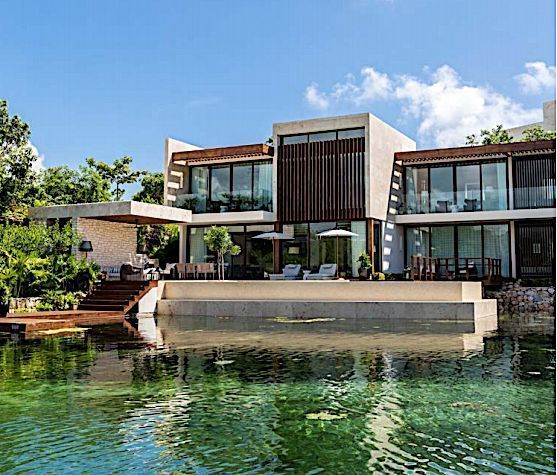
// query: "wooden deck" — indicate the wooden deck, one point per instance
point(42, 321)
point(101, 309)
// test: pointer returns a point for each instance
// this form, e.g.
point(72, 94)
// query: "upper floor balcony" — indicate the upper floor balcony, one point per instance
point(472, 179)
point(231, 179)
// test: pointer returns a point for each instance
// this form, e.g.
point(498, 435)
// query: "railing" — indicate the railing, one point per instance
point(450, 268)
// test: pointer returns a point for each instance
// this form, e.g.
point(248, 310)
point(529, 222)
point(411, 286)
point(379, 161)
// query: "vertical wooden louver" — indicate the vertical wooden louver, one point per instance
point(535, 248)
point(321, 181)
point(534, 181)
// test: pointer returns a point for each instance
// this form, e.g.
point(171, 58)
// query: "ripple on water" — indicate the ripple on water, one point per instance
point(81, 404)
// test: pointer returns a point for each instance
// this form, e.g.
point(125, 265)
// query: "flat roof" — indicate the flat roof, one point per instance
point(261, 150)
point(477, 152)
point(131, 212)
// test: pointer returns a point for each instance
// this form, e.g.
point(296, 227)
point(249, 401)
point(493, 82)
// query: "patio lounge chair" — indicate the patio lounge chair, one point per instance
point(290, 272)
point(326, 272)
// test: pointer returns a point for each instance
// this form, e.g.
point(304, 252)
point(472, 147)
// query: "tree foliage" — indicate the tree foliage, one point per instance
point(152, 189)
point(17, 157)
point(119, 173)
point(218, 240)
point(62, 185)
point(537, 133)
point(497, 135)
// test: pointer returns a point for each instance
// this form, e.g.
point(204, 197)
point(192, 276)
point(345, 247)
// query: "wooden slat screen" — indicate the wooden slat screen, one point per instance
point(535, 248)
point(534, 181)
point(321, 181)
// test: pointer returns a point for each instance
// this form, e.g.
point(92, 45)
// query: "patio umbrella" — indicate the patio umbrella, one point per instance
point(275, 237)
point(337, 233)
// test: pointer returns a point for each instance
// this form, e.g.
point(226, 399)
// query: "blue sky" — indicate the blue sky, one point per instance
point(110, 78)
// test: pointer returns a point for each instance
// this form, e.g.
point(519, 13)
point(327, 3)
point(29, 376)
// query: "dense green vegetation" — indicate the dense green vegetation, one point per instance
point(498, 135)
point(36, 260)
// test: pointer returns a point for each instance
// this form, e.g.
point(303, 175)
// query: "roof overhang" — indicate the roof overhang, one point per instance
point(131, 212)
point(237, 153)
point(233, 217)
point(482, 152)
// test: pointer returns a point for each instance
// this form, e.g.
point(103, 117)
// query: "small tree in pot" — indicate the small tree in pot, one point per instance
point(218, 240)
point(365, 264)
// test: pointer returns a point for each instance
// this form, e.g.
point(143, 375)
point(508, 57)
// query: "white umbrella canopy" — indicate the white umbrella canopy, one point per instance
point(274, 236)
point(337, 233)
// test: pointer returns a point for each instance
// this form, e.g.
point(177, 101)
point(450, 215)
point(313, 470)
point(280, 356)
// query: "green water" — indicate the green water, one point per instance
point(105, 402)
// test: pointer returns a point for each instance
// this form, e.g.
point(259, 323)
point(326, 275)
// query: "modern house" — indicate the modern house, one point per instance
point(487, 206)
point(357, 173)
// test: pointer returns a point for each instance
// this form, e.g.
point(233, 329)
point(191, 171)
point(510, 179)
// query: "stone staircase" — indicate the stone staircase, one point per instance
point(116, 296)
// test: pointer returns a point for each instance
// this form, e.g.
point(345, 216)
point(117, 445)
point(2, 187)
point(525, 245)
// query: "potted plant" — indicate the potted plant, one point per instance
point(365, 265)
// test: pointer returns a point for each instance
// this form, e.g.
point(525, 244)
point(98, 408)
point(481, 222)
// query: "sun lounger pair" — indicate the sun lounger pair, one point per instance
point(292, 271)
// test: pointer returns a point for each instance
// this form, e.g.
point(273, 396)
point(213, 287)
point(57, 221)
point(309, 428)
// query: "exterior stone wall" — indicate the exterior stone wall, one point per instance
point(24, 304)
point(113, 243)
point(514, 298)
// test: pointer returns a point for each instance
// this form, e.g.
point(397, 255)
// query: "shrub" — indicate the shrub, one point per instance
point(36, 259)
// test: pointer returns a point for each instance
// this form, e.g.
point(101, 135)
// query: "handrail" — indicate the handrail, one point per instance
point(450, 268)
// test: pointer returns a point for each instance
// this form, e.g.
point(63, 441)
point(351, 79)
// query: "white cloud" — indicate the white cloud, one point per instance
point(445, 108)
point(316, 99)
point(374, 85)
point(539, 77)
point(38, 165)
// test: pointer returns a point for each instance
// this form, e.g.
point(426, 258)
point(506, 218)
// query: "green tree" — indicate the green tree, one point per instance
point(537, 133)
point(152, 189)
point(118, 174)
point(218, 240)
point(17, 157)
point(62, 185)
point(496, 135)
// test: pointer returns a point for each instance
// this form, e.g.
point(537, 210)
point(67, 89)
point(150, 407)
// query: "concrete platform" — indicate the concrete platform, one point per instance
point(457, 302)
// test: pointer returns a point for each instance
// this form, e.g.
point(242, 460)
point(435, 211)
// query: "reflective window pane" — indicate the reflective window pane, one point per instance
point(442, 246)
point(292, 139)
point(417, 190)
point(263, 186)
point(351, 133)
point(241, 187)
point(470, 264)
point(468, 187)
point(417, 242)
point(296, 250)
point(496, 245)
point(322, 136)
point(494, 186)
point(199, 189)
point(220, 188)
point(441, 198)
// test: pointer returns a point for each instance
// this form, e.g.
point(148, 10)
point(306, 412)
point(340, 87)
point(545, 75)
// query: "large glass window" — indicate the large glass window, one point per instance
point(259, 252)
point(263, 186)
point(441, 199)
point(323, 136)
point(476, 243)
point(496, 244)
point(311, 251)
point(296, 250)
point(351, 133)
point(478, 187)
point(494, 186)
point(213, 190)
point(468, 187)
point(417, 241)
point(199, 188)
point(470, 250)
point(442, 246)
point(417, 190)
point(220, 188)
point(242, 174)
